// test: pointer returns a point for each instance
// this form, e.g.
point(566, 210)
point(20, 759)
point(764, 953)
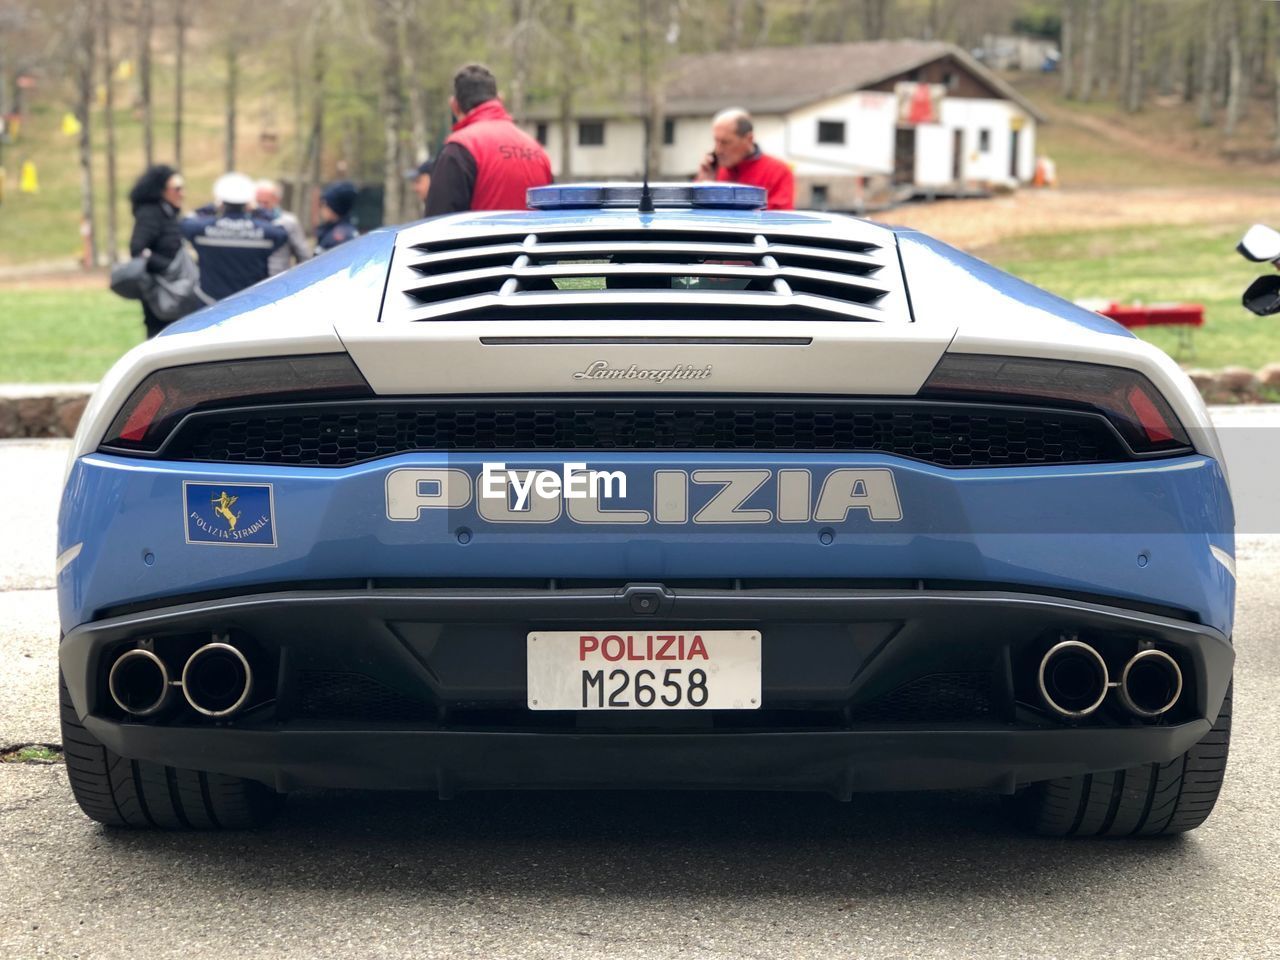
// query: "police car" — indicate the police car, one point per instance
point(645, 487)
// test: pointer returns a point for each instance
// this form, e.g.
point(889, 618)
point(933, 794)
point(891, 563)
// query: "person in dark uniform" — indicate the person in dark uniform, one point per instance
point(336, 202)
point(487, 163)
point(234, 248)
point(156, 200)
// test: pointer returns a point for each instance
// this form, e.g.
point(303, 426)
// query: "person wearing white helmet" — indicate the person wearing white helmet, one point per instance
point(234, 248)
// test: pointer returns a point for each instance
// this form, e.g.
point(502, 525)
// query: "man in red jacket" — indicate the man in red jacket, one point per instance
point(737, 158)
point(487, 163)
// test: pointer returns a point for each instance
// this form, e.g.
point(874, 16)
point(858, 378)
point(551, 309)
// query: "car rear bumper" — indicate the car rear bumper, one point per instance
point(863, 689)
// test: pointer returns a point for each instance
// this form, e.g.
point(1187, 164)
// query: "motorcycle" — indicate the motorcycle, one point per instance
point(1261, 244)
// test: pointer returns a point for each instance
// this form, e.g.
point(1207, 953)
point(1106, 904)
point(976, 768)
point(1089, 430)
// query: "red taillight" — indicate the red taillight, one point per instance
point(166, 396)
point(143, 415)
point(1125, 397)
point(1149, 417)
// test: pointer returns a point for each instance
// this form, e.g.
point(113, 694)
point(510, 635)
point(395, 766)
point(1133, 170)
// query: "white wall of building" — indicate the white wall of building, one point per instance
point(870, 120)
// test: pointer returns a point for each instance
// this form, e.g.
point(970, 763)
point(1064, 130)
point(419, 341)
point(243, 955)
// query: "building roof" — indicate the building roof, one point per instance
point(767, 80)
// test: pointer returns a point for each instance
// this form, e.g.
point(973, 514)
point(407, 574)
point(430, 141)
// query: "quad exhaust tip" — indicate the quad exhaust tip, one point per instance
point(1073, 678)
point(1151, 683)
point(217, 680)
point(139, 682)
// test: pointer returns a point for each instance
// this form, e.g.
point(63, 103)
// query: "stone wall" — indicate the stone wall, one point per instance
point(42, 410)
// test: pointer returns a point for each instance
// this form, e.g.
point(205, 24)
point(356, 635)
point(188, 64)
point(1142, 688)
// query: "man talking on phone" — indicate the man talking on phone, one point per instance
point(736, 158)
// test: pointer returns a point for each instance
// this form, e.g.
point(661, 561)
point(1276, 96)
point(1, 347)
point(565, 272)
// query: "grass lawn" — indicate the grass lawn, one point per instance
point(76, 333)
point(55, 336)
point(1153, 265)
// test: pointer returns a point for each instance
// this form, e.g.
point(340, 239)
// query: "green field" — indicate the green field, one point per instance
point(56, 336)
point(76, 333)
point(1196, 264)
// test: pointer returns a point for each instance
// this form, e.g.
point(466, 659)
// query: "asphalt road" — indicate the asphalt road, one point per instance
point(628, 875)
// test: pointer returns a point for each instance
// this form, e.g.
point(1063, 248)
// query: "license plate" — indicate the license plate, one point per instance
point(673, 670)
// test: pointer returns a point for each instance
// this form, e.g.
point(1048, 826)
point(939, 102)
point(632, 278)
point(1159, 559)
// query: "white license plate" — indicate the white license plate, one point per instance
point(671, 670)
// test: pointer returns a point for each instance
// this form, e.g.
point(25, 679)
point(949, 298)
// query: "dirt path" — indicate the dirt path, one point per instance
point(974, 224)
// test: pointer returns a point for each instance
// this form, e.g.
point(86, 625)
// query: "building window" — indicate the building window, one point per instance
point(591, 133)
point(819, 196)
point(831, 131)
point(668, 132)
point(541, 134)
point(950, 80)
point(984, 141)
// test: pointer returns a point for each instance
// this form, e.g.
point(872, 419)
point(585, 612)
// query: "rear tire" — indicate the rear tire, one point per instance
point(1149, 800)
point(119, 792)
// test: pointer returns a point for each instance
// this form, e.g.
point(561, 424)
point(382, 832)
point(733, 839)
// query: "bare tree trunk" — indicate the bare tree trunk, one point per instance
point(1189, 74)
point(737, 23)
point(1135, 85)
point(764, 22)
point(1066, 65)
point(417, 112)
point(568, 83)
point(314, 155)
point(233, 90)
point(1124, 51)
point(524, 23)
point(84, 110)
point(392, 110)
point(809, 17)
point(1275, 68)
point(874, 15)
point(1208, 66)
point(113, 248)
point(180, 27)
point(145, 18)
point(1235, 82)
point(1089, 69)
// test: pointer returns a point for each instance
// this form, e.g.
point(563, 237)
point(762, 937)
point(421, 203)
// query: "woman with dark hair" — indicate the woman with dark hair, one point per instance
point(156, 199)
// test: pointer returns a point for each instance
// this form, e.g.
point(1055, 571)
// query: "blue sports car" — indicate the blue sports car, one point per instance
point(652, 489)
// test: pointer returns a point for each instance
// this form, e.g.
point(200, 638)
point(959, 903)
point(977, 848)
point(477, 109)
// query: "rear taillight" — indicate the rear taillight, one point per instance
point(1125, 397)
point(166, 396)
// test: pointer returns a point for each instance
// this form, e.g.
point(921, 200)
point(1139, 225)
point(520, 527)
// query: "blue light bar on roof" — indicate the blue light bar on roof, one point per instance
point(599, 196)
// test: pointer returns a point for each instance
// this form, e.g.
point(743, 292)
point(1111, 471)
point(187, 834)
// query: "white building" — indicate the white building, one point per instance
point(849, 118)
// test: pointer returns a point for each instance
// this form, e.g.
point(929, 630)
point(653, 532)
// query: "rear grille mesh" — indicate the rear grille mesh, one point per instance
point(937, 698)
point(948, 435)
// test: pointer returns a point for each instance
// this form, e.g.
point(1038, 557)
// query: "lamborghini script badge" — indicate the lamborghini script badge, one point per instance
point(600, 370)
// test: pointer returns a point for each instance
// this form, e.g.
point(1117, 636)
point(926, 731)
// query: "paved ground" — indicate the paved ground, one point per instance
point(591, 875)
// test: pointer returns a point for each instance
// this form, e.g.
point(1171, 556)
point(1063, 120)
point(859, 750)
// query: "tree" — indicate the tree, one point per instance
point(84, 28)
point(180, 24)
point(1208, 64)
point(145, 18)
point(1067, 61)
point(874, 16)
point(108, 69)
point(390, 19)
point(1089, 68)
point(231, 54)
point(1235, 70)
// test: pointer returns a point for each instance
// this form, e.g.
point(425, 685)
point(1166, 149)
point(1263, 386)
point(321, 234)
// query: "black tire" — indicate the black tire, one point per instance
point(139, 794)
point(1151, 800)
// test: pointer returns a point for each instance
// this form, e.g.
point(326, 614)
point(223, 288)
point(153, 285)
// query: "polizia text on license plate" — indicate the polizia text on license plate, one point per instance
point(675, 670)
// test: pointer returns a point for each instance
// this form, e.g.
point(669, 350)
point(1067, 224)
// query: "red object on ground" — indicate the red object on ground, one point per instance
point(1155, 314)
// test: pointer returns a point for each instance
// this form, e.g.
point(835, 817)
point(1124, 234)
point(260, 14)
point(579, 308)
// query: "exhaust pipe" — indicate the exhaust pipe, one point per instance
point(1151, 683)
point(139, 682)
point(217, 680)
point(1073, 678)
